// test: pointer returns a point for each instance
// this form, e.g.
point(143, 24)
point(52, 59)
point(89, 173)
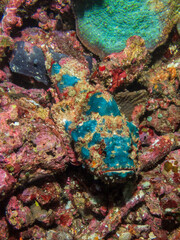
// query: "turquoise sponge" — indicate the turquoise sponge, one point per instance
point(104, 26)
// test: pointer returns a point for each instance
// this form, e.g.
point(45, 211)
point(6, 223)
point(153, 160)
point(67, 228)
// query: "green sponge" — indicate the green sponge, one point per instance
point(104, 26)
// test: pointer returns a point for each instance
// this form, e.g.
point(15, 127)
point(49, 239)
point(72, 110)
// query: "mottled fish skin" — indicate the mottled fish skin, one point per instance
point(105, 142)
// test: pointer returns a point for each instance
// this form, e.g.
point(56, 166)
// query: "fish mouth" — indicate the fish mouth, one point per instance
point(118, 175)
point(122, 170)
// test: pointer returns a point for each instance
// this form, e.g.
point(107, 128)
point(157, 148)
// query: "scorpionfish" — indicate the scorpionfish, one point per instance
point(105, 142)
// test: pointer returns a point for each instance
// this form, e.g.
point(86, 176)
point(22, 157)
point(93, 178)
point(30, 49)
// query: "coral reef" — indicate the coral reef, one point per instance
point(89, 147)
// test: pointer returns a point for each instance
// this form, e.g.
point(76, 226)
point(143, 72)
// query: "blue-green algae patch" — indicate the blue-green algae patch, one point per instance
point(106, 25)
point(99, 105)
point(67, 124)
point(133, 129)
point(55, 69)
point(117, 152)
point(96, 139)
point(83, 129)
point(85, 153)
point(67, 81)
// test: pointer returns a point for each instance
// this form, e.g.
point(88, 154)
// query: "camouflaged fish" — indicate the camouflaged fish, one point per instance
point(105, 142)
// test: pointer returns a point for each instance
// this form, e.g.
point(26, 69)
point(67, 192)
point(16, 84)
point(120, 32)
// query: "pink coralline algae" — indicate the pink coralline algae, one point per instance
point(61, 5)
point(171, 166)
point(2, 75)
point(42, 194)
point(159, 147)
point(165, 120)
point(12, 20)
point(26, 128)
point(6, 181)
point(44, 21)
point(17, 215)
point(120, 69)
point(163, 107)
point(4, 234)
point(6, 42)
point(89, 147)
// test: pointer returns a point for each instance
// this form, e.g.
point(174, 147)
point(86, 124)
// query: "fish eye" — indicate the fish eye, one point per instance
point(35, 62)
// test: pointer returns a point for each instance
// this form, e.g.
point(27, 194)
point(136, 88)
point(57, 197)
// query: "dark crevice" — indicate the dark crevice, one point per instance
point(159, 52)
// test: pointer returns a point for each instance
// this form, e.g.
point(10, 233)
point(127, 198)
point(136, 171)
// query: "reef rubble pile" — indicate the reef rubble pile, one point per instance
point(89, 120)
